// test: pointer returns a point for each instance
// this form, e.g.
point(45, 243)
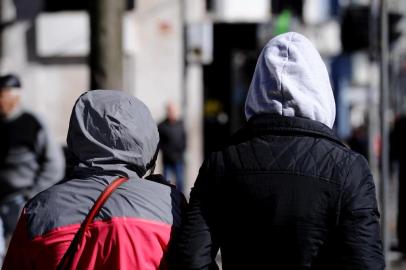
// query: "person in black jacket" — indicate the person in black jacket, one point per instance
point(173, 145)
point(30, 160)
point(285, 193)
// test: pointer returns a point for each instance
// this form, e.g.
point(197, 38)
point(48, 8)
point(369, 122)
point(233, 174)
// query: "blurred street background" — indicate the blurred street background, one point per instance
point(201, 54)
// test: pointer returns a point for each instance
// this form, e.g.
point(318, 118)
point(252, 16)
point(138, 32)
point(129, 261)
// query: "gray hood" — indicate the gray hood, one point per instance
point(291, 79)
point(113, 132)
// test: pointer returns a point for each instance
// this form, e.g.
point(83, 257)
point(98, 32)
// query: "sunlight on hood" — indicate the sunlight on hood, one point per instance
point(291, 79)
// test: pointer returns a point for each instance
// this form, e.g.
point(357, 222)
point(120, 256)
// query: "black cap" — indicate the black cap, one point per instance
point(9, 81)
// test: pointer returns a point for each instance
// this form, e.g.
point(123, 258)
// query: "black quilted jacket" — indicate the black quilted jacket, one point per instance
point(285, 194)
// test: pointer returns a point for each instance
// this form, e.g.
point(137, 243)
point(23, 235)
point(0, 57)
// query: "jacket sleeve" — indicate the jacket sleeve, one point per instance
point(18, 254)
point(361, 245)
point(196, 246)
point(51, 161)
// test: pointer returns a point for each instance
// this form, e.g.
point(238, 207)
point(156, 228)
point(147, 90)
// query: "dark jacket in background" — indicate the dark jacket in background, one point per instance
point(286, 194)
point(172, 141)
point(30, 161)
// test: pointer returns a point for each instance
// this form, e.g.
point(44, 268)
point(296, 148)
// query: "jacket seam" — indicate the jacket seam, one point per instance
point(304, 130)
point(342, 191)
point(326, 179)
point(254, 154)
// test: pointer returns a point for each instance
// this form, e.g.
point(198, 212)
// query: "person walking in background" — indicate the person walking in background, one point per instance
point(358, 140)
point(114, 140)
point(285, 193)
point(30, 161)
point(173, 145)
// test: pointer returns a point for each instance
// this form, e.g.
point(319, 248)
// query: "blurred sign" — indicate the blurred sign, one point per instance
point(66, 34)
point(63, 34)
point(199, 43)
point(243, 10)
point(326, 37)
point(165, 27)
point(316, 11)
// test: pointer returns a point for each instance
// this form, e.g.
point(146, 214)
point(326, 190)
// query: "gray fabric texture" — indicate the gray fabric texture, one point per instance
point(113, 132)
point(69, 203)
point(291, 79)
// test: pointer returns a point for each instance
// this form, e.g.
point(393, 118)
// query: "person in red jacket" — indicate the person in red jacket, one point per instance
point(111, 135)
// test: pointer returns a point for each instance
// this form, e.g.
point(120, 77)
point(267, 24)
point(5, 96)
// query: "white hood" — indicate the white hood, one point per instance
point(291, 79)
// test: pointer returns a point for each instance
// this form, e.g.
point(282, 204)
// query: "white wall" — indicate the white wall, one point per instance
point(159, 70)
point(158, 62)
point(52, 92)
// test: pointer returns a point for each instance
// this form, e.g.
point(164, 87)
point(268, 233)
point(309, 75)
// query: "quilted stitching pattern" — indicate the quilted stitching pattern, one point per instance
point(295, 146)
point(306, 155)
point(288, 182)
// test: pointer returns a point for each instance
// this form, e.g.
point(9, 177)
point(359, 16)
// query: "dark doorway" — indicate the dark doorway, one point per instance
point(226, 81)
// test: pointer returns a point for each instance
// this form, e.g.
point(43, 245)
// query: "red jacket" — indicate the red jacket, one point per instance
point(130, 241)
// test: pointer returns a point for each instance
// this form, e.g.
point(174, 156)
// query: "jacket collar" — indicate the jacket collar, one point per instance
point(263, 124)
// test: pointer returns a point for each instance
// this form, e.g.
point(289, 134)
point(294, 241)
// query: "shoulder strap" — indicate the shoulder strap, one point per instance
point(67, 259)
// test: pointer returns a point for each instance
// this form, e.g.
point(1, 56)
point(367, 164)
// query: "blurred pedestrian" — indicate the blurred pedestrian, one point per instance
point(173, 145)
point(285, 193)
point(30, 161)
point(358, 141)
point(68, 226)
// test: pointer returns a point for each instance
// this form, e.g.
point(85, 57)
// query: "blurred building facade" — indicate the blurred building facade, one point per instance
point(47, 44)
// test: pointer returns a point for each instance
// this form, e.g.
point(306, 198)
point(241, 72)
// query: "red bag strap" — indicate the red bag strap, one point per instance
point(67, 259)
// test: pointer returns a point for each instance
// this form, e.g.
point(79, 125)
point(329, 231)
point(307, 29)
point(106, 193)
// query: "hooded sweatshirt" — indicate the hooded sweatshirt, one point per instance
point(291, 79)
point(111, 134)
